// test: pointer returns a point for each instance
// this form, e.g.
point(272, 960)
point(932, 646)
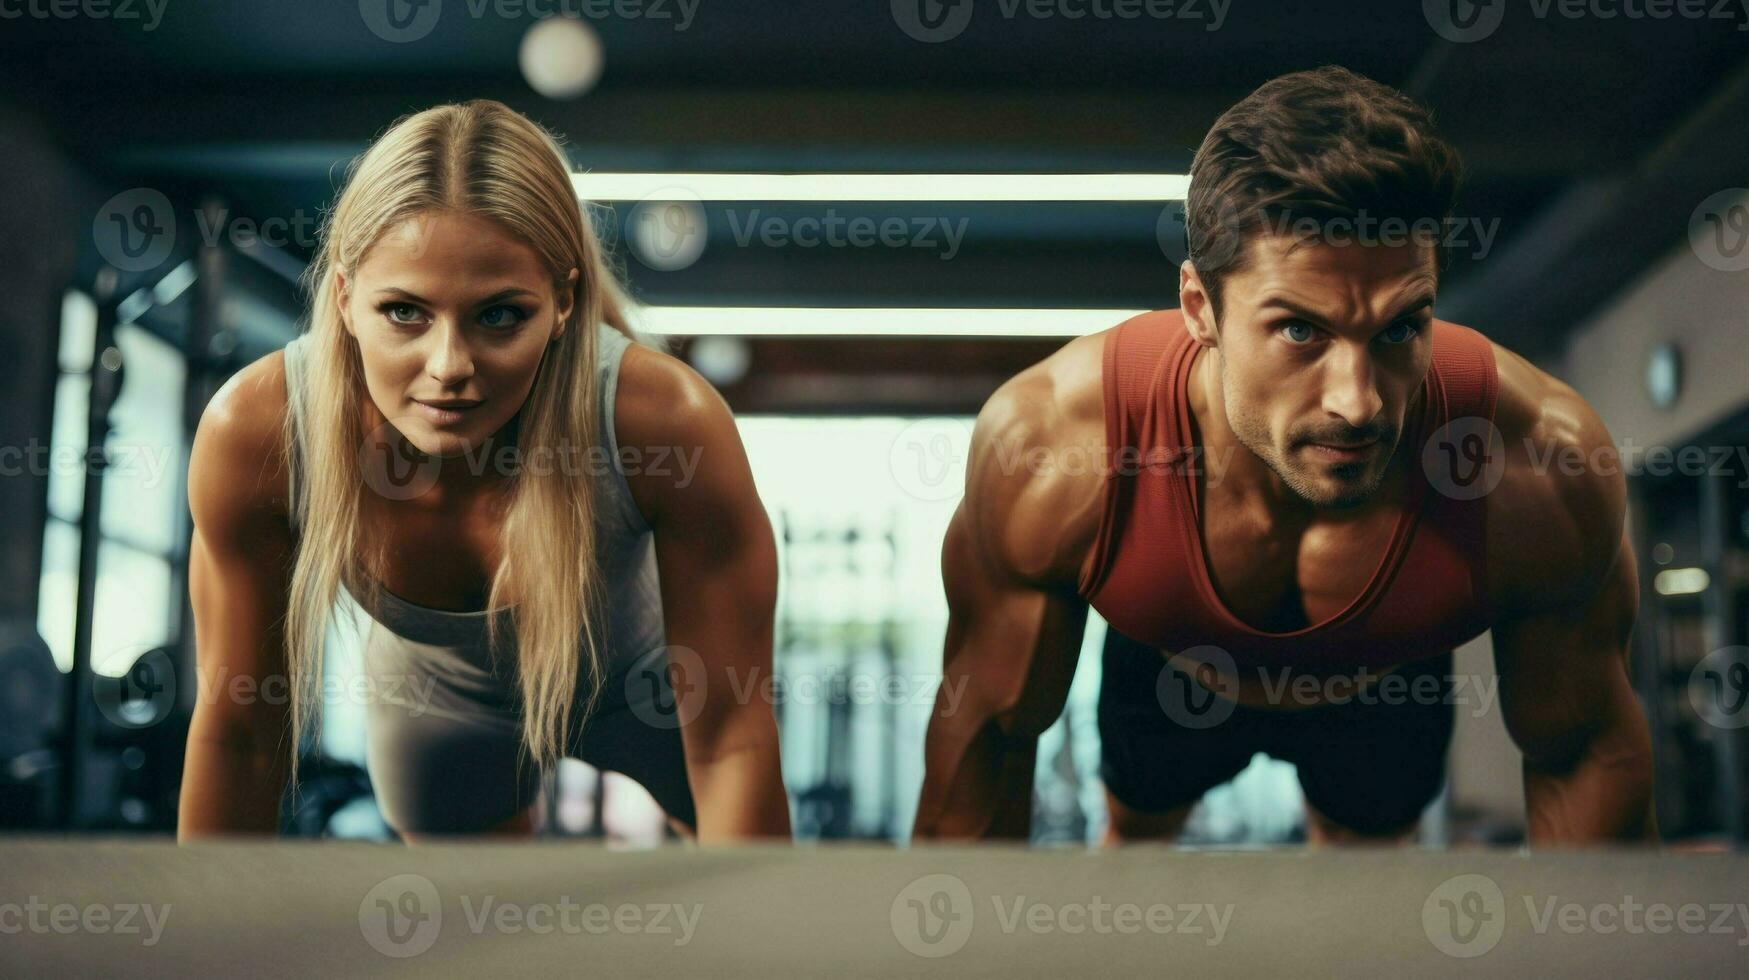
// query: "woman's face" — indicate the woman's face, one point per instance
point(451, 314)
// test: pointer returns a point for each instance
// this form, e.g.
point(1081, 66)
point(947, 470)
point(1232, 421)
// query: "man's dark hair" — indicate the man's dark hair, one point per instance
point(1320, 144)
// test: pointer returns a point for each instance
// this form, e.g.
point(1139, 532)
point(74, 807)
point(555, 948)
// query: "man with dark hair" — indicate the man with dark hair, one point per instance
point(1312, 490)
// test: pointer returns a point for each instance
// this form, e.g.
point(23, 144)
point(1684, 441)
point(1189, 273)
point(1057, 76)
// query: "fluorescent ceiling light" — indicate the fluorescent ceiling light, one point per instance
point(755, 321)
point(1681, 581)
point(881, 187)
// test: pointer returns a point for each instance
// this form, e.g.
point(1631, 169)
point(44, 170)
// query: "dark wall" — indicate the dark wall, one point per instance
point(41, 190)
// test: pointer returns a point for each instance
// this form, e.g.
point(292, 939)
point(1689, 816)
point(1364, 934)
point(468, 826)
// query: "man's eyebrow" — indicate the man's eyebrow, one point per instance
point(1415, 304)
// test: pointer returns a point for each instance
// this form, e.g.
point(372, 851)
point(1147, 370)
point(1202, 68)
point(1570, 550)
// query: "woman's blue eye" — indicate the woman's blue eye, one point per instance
point(393, 308)
point(516, 316)
point(1296, 325)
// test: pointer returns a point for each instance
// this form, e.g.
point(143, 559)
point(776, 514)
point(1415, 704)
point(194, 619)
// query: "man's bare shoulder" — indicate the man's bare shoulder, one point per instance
point(1035, 476)
point(1556, 519)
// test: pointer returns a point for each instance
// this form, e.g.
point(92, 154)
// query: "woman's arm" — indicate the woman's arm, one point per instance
point(239, 748)
point(718, 566)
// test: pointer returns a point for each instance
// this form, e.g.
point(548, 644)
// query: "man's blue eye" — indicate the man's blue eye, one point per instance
point(1300, 326)
point(1411, 326)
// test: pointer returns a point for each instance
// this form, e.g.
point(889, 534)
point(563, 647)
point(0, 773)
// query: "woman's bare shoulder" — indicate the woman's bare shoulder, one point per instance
point(236, 467)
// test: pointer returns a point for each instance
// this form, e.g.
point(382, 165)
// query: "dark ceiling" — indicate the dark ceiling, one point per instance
point(1588, 140)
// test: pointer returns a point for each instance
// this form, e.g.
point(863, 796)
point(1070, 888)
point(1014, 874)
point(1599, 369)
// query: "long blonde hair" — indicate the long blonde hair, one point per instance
point(483, 158)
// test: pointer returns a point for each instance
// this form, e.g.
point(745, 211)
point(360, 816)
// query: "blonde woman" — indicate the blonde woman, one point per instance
point(545, 520)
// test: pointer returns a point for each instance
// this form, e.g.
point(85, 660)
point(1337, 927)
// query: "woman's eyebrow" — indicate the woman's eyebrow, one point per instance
point(502, 294)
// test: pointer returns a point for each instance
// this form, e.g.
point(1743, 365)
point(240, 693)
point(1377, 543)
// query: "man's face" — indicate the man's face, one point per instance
point(452, 315)
point(1325, 344)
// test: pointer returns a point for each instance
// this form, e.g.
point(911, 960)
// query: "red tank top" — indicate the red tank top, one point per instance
point(1149, 578)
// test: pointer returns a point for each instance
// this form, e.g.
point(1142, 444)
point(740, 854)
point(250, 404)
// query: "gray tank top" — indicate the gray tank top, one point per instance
point(626, 553)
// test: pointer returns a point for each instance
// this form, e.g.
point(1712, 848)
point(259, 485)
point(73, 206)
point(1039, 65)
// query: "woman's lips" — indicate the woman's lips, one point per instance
point(441, 415)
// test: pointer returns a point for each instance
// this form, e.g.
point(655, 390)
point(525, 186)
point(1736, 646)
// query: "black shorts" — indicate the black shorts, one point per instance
point(1370, 767)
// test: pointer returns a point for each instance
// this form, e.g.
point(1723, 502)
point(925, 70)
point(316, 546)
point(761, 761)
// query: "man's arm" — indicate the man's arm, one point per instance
point(718, 568)
point(1010, 654)
point(1569, 706)
point(1566, 620)
point(1015, 622)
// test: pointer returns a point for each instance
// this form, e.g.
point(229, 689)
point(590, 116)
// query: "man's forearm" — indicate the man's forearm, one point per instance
point(977, 788)
point(1606, 795)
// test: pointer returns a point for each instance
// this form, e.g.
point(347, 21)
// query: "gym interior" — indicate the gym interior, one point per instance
point(856, 221)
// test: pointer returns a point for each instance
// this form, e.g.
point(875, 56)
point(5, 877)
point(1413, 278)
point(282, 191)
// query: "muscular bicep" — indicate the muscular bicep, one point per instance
point(1011, 645)
point(1563, 669)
